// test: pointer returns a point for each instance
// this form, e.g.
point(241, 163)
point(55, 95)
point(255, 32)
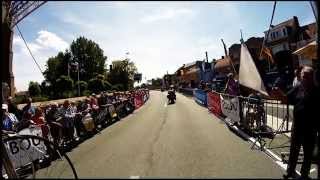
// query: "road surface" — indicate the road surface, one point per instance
point(182, 140)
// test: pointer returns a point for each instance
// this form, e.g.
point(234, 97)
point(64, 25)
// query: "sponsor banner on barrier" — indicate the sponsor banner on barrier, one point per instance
point(230, 107)
point(213, 101)
point(138, 101)
point(23, 151)
point(200, 96)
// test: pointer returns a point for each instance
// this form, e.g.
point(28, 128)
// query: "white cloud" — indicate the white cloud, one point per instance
point(47, 44)
point(167, 14)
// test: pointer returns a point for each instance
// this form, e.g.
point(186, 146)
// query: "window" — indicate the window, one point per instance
point(284, 32)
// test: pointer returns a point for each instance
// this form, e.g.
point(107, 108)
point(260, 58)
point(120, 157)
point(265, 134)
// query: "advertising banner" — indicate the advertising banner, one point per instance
point(200, 97)
point(23, 151)
point(230, 107)
point(213, 100)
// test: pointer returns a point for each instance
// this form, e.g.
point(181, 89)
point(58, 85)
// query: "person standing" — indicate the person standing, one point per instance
point(232, 86)
point(303, 132)
point(297, 78)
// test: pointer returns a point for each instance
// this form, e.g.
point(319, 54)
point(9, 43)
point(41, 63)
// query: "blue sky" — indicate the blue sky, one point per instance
point(160, 36)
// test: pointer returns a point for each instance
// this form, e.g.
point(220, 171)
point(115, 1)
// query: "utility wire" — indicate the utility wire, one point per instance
point(29, 49)
point(264, 40)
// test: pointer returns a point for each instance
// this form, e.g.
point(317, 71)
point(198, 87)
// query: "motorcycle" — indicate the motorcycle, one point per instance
point(171, 97)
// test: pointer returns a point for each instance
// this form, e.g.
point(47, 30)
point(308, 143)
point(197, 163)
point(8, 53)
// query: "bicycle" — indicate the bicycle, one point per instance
point(32, 156)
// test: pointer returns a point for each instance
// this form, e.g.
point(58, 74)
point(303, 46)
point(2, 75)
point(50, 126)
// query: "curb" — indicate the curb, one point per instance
point(256, 143)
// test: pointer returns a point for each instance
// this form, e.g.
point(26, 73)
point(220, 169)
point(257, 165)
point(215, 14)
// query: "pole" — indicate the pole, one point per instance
point(207, 56)
point(78, 81)
point(68, 69)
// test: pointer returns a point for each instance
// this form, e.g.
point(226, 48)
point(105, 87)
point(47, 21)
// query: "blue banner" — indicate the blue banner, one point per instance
point(200, 96)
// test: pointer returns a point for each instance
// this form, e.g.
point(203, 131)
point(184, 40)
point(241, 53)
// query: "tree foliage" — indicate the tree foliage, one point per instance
point(122, 73)
point(98, 84)
point(63, 85)
point(89, 56)
point(91, 62)
point(34, 89)
point(83, 85)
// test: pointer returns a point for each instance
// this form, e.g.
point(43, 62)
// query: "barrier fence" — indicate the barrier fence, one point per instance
point(249, 114)
point(200, 96)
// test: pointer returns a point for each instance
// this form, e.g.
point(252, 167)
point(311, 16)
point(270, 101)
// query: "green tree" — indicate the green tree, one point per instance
point(122, 73)
point(91, 62)
point(156, 82)
point(89, 56)
point(98, 84)
point(34, 89)
point(83, 85)
point(64, 84)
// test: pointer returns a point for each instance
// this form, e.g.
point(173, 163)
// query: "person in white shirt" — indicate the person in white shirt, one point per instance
point(10, 121)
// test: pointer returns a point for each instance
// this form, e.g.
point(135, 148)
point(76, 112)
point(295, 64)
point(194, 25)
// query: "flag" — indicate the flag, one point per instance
point(267, 54)
point(248, 73)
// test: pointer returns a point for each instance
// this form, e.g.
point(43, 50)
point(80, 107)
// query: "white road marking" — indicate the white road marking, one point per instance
point(165, 105)
point(134, 177)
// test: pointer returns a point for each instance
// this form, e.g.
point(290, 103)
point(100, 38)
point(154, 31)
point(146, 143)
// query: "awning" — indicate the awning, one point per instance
point(308, 51)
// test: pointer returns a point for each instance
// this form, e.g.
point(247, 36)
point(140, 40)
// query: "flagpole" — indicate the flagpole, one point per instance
point(267, 36)
point(226, 55)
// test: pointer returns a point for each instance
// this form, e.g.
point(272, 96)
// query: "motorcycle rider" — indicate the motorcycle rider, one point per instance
point(171, 94)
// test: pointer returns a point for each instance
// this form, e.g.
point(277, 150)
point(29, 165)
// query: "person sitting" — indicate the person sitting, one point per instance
point(12, 108)
point(68, 120)
point(9, 120)
point(28, 107)
point(52, 117)
point(39, 119)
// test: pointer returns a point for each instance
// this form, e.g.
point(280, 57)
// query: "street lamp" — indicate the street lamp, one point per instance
point(76, 63)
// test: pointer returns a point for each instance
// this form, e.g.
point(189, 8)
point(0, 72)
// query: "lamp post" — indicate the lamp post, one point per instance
point(77, 64)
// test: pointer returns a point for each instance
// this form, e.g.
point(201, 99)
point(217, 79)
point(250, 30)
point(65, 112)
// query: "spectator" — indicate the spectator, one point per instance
point(12, 108)
point(303, 97)
point(28, 108)
point(232, 86)
point(38, 117)
point(9, 119)
point(73, 108)
point(297, 78)
point(68, 120)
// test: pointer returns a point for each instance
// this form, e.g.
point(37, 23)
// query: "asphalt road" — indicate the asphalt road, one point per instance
point(182, 140)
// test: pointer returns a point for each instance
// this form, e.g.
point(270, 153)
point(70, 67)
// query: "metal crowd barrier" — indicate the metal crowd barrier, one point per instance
point(275, 117)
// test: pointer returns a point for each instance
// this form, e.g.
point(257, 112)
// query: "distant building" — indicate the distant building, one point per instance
point(224, 65)
point(169, 79)
point(190, 75)
point(283, 36)
point(307, 34)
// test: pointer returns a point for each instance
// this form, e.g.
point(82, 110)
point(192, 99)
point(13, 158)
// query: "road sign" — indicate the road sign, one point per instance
point(137, 77)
